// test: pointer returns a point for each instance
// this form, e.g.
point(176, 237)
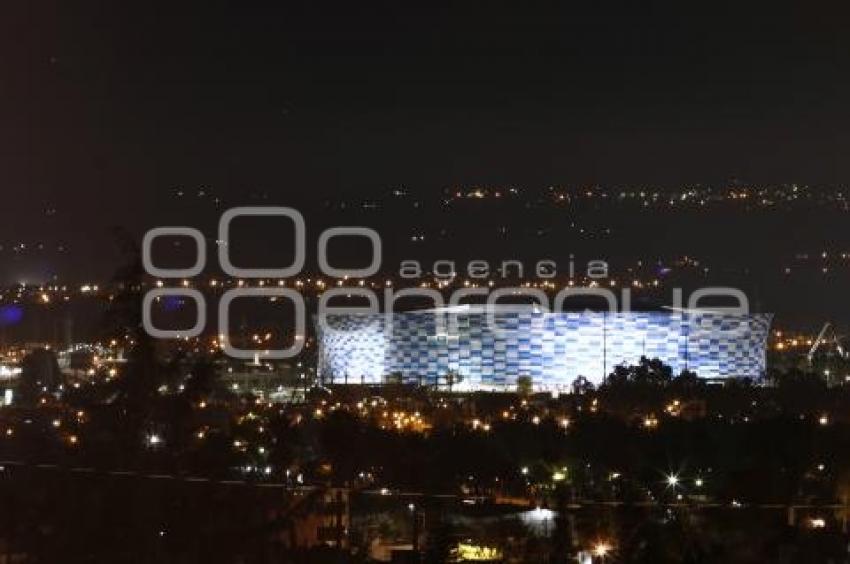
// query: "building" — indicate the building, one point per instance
point(490, 348)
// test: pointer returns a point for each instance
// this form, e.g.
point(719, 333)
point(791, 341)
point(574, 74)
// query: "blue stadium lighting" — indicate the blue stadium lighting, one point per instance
point(553, 349)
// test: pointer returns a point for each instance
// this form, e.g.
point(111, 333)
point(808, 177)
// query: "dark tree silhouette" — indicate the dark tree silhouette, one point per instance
point(40, 375)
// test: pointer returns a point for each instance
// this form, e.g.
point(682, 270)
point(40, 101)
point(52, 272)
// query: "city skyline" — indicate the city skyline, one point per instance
point(307, 283)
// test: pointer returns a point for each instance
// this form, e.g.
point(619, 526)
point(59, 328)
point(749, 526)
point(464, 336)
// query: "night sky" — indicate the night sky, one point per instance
point(106, 108)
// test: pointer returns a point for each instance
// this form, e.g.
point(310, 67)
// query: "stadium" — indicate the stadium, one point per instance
point(489, 348)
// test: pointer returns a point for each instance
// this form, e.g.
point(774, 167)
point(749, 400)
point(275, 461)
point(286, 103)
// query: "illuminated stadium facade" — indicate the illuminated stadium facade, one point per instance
point(490, 349)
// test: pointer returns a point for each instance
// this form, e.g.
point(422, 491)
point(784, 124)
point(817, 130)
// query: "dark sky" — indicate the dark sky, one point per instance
point(105, 107)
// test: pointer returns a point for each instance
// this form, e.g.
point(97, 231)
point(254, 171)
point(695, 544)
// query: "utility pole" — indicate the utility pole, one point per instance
point(417, 516)
point(604, 346)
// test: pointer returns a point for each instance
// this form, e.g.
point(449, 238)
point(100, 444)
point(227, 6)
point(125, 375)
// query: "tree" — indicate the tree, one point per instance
point(440, 542)
point(687, 381)
point(40, 374)
point(452, 378)
point(204, 383)
point(394, 378)
point(648, 372)
point(136, 388)
point(582, 385)
point(562, 538)
point(524, 385)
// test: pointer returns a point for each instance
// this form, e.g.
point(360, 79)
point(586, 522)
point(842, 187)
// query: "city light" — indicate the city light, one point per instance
point(650, 422)
point(594, 309)
point(467, 552)
point(601, 549)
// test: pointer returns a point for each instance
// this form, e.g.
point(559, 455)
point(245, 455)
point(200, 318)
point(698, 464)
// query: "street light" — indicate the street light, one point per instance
point(672, 480)
point(601, 550)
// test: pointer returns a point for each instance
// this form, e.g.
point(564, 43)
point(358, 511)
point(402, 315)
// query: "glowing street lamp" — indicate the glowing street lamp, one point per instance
point(601, 549)
point(672, 480)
